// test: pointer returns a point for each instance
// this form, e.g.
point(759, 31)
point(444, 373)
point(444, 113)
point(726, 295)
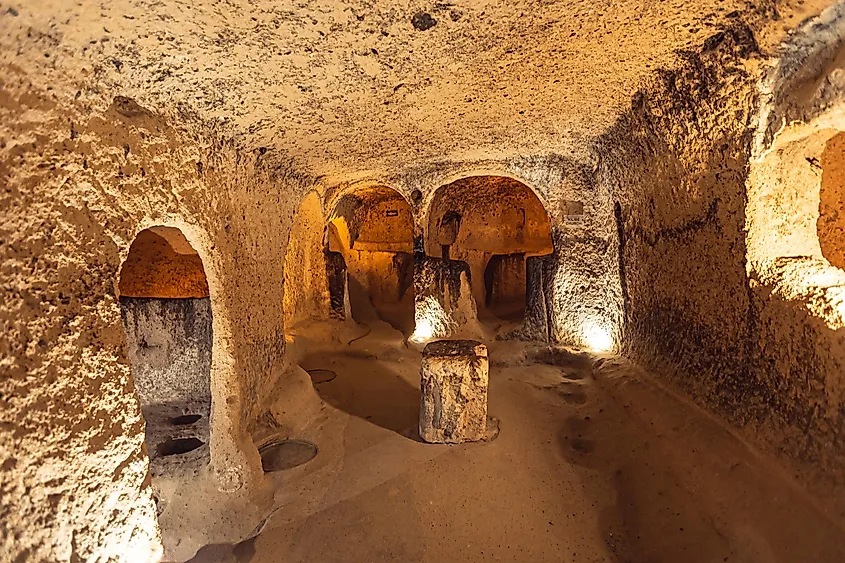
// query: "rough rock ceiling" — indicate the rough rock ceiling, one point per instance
point(354, 85)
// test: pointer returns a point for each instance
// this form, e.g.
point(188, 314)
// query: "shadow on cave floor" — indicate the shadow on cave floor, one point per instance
point(682, 486)
point(242, 552)
point(498, 323)
point(593, 462)
point(367, 387)
point(400, 316)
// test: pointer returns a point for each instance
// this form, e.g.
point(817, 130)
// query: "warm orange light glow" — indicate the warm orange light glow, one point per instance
point(597, 337)
point(430, 321)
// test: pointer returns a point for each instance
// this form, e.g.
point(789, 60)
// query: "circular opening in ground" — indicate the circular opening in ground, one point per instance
point(321, 375)
point(178, 446)
point(286, 454)
point(185, 419)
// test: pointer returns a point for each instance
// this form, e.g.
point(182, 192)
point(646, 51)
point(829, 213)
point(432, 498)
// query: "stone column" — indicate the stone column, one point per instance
point(538, 324)
point(453, 400)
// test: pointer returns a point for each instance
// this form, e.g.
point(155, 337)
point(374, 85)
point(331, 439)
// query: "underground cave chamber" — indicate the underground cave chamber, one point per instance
point(625, 222)
point(483, 261)
point(497, 227)
point(369, 249)
point(166, 313)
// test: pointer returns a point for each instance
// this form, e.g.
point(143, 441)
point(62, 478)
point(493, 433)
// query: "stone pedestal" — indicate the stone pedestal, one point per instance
point(453, 399)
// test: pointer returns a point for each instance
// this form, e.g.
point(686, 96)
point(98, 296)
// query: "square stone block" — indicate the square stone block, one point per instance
point(453, 391)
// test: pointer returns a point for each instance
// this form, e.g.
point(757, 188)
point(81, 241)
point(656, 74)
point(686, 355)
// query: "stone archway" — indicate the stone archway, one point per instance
point(167, 318)
point(495, 225)
point(371, 228)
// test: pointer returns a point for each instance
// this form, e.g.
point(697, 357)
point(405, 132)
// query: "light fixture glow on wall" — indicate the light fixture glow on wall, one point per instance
point(430, 321)
point(423, 331)
point(597, 337)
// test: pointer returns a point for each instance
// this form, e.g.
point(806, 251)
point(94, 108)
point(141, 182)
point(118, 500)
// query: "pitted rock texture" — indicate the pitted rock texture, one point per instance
point(312, 79)
point(169, 343)
point(710, 237)
point(161, 263)
point(218, 118)
point(443, 302)
point(77, 199)
point(453, 391)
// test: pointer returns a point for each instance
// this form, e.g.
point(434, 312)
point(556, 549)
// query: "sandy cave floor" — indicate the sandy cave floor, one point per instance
point(593, 462)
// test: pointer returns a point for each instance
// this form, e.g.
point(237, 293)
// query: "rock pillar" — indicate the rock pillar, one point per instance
point(453, 401)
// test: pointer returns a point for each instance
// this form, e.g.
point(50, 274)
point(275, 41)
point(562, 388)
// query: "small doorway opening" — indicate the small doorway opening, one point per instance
point(371, 229)
point(166, 313)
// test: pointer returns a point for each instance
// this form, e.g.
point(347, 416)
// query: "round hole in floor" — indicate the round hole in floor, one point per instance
point(185, 419)
point(286, 454)
point(177, 446)
point(321, 375)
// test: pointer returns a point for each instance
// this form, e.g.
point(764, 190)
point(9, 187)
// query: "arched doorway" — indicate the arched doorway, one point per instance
point(372, 230)
point(494, 224)
point(166, 312)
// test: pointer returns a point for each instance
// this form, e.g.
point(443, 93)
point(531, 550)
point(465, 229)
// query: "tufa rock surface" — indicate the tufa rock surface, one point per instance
point(453, 400)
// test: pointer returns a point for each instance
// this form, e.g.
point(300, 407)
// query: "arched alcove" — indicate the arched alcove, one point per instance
point(371, 228)
point(494, 224)
point(166, 312)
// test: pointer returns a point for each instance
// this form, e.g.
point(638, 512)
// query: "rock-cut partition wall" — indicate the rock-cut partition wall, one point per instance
point(679, 208)
point(74, 455)
point(677, 164)
point(169, 343)
point(569, 269)
point(169, 346)
point(798, 317)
